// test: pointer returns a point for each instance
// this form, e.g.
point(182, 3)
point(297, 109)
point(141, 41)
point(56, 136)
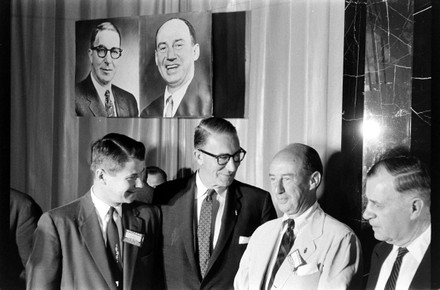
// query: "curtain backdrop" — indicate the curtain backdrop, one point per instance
point(294, 56)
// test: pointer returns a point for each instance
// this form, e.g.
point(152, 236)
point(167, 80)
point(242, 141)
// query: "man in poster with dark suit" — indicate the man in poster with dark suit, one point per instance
point(96, 96)
point(209, 217)
point(398, 190)
point(176, 50)
point(103, 240)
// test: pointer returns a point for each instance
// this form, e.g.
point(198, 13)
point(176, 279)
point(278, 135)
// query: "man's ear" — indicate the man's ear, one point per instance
point(90, 52)
point(101, 175)
point(315, 180)
point(196, 52)
point(198, 156)
point(417, 205)
point(156, 60)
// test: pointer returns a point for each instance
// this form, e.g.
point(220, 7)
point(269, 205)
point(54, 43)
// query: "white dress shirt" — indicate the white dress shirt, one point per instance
point(410, 262)
point(101, 209)
point(177, 97)
point(221, 198)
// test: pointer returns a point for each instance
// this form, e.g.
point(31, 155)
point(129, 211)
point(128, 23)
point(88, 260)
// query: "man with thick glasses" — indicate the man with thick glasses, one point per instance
point(209, 217)
point(96, 96)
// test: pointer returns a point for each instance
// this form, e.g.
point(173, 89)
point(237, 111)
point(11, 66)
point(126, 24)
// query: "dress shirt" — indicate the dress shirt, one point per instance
point(101, 93)
point(410, 262)
point(101, 209)
point(177, 97)
point(221, 198)
point(300, 222)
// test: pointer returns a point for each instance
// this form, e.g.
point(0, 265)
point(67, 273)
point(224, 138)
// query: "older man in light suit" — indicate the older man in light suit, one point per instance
point(103, 240)
point(306, 248)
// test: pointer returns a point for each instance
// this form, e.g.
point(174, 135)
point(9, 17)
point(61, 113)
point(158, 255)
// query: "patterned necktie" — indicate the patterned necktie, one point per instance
point(169, 107)
point(109, 104)
point(113, 247)
point(391, 283)
point(286, 245)
point(204, 231)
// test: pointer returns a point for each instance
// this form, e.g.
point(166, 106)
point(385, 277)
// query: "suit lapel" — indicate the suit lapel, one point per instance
point(230, 214)
point(95, 105)
point(131, 222)
point(121, 105)
point(185, 215)
point(92, 235)
point(379, 255)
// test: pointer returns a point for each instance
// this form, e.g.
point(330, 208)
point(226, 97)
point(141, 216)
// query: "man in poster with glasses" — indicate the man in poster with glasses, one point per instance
point(96, 96)
point(209, 217)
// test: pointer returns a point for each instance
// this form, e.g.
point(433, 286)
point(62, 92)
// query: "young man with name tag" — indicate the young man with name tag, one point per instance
point(305, 248)
point(103, 240)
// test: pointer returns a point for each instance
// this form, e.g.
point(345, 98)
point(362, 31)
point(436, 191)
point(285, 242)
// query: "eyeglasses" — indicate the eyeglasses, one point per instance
point(101, 51)
point(223, 159)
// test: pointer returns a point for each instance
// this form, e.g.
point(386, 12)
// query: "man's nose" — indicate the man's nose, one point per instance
point(231, 165)
point(367, 214)
point(171, 54)
point(279, 188)
point(139, 183)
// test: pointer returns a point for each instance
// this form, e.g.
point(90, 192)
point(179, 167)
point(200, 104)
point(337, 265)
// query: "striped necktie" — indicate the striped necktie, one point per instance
point(109, 104)
point(285, 246)
point(391, 283)
point(169, 107)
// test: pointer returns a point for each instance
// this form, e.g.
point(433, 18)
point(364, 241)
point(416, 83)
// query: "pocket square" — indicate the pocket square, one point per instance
point(243, 240)
point(307, 269)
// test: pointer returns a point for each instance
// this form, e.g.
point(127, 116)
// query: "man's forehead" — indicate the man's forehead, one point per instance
point(380, 184)
point(173, 27)
point(107, 35)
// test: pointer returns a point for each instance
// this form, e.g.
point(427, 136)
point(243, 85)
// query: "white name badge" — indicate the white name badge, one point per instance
point(133, 238)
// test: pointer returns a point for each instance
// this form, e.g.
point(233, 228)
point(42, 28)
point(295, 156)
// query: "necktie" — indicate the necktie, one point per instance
point(391, 283)
point(283, 251)
point(204, 232)
point(109, 104)
point(169, 107)
point(113, 248)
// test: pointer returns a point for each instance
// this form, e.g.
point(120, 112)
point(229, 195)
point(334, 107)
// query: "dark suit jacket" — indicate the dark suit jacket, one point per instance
point(69, 250)
point(246, 208)
point(23, 217)
point(197, 102)
point(422, 277)
point(88, 104)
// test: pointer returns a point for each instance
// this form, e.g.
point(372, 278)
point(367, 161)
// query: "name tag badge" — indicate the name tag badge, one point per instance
point(133, 238)
point(295, 260)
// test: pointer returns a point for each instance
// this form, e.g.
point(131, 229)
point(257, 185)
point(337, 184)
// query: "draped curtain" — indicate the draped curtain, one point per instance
point(294, 59)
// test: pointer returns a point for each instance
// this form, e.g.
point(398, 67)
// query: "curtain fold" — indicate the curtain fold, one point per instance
point(294, 54)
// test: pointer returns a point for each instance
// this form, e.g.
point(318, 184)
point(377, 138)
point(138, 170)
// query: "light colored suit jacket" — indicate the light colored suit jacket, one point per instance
point(69, 250)
point(329, 250)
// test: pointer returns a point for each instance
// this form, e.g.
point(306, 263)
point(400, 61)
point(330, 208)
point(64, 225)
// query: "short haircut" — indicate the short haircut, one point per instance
point(101, 27)
point(311, 160)
point(114, 150)
point(410, 175)
point(192, 31)
point(209, 126)
point(151, 170)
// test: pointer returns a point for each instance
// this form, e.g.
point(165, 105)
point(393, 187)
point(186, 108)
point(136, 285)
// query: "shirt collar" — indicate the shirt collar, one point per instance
point(302, 219)
point(101, 207)
point(419, 246)
point(177, 95)
point(201, 189)
point(101, 89)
